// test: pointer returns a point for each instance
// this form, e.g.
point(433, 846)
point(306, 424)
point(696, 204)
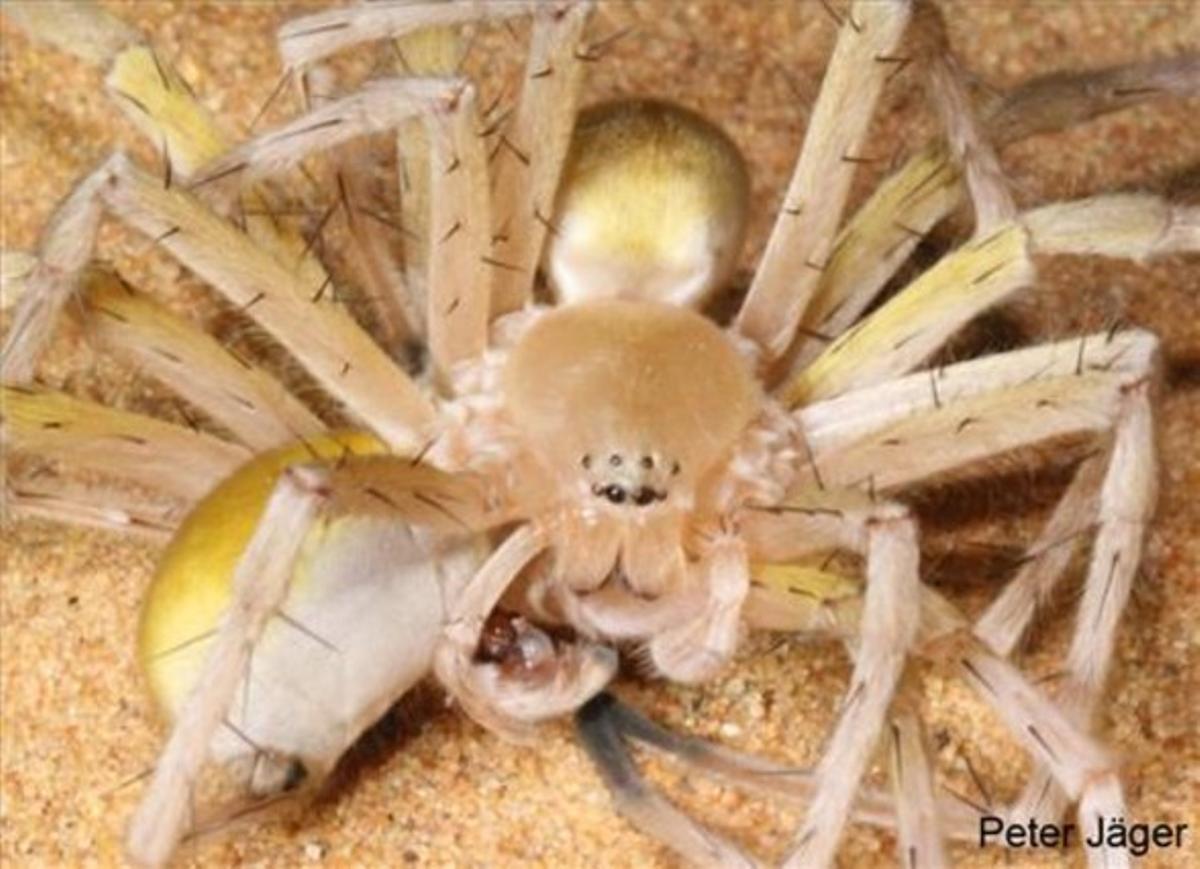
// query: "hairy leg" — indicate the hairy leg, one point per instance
point(531, 153)
point(1041, 394)
point(968, 412)
point(531, 148)
point(260, 583)
point(918, 817)
point(904, 332)
point(160, 103)
point(885, 535)
point(802, 238)
point(312, 38)
point(969, 145)
point(1077, 763)
point(460, 277)
point(761, 776)
point(245, 399)
point(327, 638)
point(164, 457)
point(696, 649)
point(323, 337)
point(95, 506)
point(938, 421)
point(1123, 509)
point(909, 203)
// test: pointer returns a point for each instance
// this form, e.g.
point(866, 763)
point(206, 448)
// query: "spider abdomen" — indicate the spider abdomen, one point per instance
point(652, 205)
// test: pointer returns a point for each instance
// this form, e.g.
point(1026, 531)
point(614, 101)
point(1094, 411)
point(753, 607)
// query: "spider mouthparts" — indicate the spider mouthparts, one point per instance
point(520, 648)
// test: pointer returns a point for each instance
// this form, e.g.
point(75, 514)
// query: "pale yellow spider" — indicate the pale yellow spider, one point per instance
point(851, 442)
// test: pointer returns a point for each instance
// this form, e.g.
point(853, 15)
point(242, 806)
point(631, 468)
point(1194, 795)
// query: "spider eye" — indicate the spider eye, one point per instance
point(615, 494)
point(645, 496)
point(648, 462)
point(586, 461)
point(614, 460)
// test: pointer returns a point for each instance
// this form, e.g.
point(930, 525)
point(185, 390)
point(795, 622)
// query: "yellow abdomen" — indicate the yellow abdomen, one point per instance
point(191, 587)
point(652, 206)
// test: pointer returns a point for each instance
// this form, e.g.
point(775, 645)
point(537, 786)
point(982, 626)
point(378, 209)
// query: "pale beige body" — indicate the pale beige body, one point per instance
point(624, 409)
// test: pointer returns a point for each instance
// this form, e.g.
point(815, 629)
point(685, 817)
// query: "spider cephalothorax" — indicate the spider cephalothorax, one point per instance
point(628, 408)
point(638, 419)
point(617, 462)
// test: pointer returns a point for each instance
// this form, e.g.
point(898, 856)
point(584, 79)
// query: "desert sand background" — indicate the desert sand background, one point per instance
point(434, 789)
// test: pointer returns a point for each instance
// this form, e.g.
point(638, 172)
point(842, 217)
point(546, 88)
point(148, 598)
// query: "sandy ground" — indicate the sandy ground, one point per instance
point(434, 789)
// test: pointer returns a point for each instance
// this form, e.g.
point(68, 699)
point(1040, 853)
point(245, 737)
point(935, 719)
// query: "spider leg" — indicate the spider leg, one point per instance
point(759, 775)
point(323, 337)
point(888, 541)
point(159, 102)
point(1074, 761)
point(1007, 618)
point(147, 88)
point(805, 600)
point(168, 458)
point(251, 404)
point(601, 730)
point(536, 141)
point(1108, 394)
point(968, 143)
point(885, 535)
point(918, 815)
point(63, 251)
point(992, 405)
point(906, 330)
point(933, 422)
point(255, 407)
point(802, 238)
point(1078, 764)
point(699, 647)
point(378, 237)
point(560, 679)
point(1101, 390)
point(435, 52)
point(96, 506)
point(907, 204)
point(1122, 510)
point(181, 461)
point(461, 275)
point(312, 38)
point(532, 151)
point(260, 583)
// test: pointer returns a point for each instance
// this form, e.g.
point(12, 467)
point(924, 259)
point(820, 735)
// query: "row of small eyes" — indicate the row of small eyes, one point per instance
point(616, 460)
point(617, 494)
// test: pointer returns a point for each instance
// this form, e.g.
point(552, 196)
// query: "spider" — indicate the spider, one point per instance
point(620, 490)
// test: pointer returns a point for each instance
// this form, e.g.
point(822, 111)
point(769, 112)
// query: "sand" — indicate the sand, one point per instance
point(75, 723)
